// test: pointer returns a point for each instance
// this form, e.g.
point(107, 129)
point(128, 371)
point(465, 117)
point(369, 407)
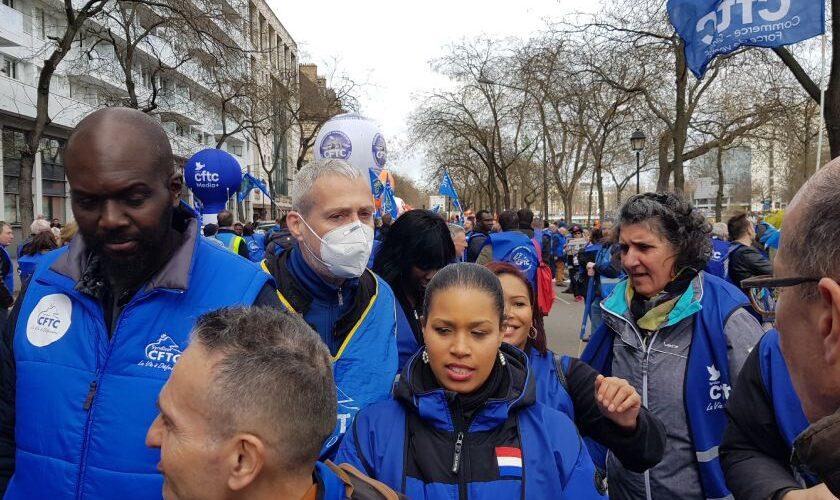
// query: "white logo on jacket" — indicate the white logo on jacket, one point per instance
point(162, 353)
point(49, 320)
point(718, 391)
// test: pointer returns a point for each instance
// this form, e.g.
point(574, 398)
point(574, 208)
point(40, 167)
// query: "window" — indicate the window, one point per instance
point(53, 179)
point(9, 68)
point(9, 3)
point(14, 142)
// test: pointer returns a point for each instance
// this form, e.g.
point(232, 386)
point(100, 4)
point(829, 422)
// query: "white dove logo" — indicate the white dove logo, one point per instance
point(199, 165)
point(714, 373)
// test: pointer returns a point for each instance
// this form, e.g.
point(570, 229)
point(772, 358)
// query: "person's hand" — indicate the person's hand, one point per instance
point(618, 401)
point(818, 492)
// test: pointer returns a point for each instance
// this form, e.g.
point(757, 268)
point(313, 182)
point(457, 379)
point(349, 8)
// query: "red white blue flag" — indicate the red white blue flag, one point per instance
point(509, 460)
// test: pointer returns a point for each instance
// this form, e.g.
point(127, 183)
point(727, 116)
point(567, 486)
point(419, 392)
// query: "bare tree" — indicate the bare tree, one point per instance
point(61, 45)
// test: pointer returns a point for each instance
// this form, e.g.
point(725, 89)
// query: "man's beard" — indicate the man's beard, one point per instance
point(152, 252)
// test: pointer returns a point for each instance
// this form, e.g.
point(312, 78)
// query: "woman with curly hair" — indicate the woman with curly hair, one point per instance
point(680, 337)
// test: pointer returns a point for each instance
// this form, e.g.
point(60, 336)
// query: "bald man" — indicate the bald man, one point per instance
point(95, 335)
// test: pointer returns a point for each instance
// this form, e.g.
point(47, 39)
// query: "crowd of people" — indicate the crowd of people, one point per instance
point(336, 355)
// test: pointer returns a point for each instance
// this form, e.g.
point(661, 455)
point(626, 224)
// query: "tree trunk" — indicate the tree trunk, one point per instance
point(568, 200)
point(664, 163)
point(719, 197)
point(681, 119)
point(600, 185)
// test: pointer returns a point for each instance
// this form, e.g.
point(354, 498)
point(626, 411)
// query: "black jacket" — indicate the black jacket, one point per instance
point(753, 454)
point(474, 246)
point(747, 262)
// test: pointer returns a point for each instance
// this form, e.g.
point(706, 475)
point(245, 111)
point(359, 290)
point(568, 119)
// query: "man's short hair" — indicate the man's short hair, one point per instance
point(3, 225)
point(509, 220)
point(720, 230)
point(39, 226)
point(526, 217)
point(225, 218)
point(810, 247)
point(274, 379)
point(210, 229)
point(738, 225)
point(310, 173)
point(455, 229)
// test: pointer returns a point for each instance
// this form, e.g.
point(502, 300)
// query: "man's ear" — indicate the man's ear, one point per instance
point(295, 224)
point(176, 185)
point(247, 461)
point(829, 323)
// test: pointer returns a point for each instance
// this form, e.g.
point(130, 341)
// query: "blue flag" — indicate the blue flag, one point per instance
point(389, 204)
point(714, 27)
point(250, 182)
point(448, 189)
point(376, 186)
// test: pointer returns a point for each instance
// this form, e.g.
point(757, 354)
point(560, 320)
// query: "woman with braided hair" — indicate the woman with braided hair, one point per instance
point(680, 337)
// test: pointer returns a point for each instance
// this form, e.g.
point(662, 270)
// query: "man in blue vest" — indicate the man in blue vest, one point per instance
point(255, 395)
point(7, 268)
point(806, 273)
point(102, 322)
point(227, 234)
point(324, 278)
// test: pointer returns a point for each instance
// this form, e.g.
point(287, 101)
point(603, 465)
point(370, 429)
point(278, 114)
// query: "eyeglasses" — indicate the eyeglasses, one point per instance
point(763, 292)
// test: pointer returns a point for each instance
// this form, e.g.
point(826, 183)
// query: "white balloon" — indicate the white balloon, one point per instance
point(354, 138)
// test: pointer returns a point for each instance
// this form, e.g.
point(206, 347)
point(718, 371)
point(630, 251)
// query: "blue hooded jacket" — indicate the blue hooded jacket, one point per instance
point(84, 398)
point(513, 447)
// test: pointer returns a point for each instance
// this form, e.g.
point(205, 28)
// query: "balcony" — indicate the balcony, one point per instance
point(19, 98)
point(12, 32)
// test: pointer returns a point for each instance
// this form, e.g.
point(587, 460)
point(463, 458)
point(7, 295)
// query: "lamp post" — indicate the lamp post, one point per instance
point(637, 144)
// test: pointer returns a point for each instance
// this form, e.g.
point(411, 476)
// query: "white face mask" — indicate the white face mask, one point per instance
point(345, 250)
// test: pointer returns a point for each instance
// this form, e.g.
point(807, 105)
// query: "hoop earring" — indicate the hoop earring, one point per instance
point(502, 359)
point(534, 332)
point(425, 356)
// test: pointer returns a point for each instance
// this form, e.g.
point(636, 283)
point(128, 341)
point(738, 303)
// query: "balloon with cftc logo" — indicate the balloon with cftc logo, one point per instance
point(213, 176)
point(354, 138)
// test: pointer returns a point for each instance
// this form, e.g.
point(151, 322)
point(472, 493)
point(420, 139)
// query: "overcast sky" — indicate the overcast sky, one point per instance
point(388, 44)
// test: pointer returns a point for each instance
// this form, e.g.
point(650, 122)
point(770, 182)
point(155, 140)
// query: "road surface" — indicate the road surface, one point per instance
point(562, 326)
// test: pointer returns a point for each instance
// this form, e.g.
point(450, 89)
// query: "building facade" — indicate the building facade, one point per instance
point(172, 76)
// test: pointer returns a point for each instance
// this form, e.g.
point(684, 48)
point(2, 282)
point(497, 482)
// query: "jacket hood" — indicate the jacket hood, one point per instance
point(432, 404)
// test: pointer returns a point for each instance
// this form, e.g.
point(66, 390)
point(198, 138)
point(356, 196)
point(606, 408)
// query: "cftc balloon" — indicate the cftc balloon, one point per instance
point(214, 176)
point(354, 138)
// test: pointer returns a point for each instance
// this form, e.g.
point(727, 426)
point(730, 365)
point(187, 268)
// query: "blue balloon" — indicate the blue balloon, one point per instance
point(214, 176)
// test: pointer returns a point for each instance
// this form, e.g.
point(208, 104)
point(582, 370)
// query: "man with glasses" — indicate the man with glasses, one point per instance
point(767, 418)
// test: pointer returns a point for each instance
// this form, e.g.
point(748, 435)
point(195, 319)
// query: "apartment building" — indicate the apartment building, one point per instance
point(179, 83)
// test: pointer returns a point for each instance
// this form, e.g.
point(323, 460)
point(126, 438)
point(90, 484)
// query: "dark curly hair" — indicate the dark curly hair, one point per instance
point(676, 220)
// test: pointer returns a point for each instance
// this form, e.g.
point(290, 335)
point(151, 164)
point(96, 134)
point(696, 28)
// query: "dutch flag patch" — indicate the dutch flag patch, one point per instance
point(510, 461)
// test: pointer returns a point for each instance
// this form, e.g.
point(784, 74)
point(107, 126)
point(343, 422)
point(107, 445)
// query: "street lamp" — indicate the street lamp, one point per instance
point(637, 144)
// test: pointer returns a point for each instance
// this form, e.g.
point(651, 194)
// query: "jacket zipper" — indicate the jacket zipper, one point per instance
point(340, 298)
point(460, 428)
point(92, 390)
point(646, 347)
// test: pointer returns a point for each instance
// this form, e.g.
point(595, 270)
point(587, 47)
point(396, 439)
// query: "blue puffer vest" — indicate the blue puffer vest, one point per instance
point(84, 402)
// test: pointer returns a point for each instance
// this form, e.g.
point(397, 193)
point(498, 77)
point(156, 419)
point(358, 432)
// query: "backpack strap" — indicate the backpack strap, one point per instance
point(561, 363)
point(359, 486)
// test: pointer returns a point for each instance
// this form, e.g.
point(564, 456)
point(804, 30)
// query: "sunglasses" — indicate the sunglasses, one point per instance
point(763, 292)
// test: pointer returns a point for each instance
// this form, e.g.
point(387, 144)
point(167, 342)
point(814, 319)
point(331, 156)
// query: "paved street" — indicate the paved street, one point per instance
point(563, 324)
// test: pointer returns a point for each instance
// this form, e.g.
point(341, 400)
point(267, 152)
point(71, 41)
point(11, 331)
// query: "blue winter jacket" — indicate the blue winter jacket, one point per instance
point(84, 399)
point(256, 246)
point(513, 447)
point(356, 321)
point(9, 277)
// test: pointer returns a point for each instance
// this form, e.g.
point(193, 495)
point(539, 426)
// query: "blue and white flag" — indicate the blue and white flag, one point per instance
point(714, 27)
point(249, 182)
point(389, 204)
point(376, 186)
point(448, 189)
